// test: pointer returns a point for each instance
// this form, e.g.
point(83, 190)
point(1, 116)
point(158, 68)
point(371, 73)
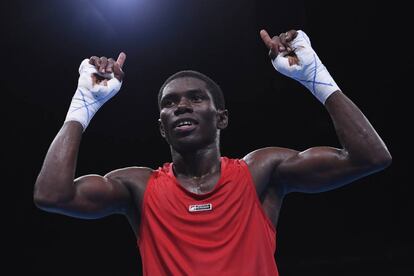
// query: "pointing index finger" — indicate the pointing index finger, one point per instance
point(121, 59)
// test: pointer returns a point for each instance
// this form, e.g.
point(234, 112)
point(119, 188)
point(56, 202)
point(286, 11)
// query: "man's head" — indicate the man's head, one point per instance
point(191, 111)
point(212, 86)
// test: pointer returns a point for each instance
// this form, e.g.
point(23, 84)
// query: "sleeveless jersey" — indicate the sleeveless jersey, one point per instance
point(222, 232)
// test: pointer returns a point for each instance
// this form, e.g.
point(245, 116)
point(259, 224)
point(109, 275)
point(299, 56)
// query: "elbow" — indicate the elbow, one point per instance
point(386, 161)
point(47, 199)
point(40, 202)
point(385, 158)
point(381, 161)
point(373, 161)
point(44, 201)
point(47, 203)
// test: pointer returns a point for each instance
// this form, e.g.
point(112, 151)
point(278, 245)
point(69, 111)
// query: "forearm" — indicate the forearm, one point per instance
point(357, 136)
point(55, 186)
point(55, 180)
point(359, 139)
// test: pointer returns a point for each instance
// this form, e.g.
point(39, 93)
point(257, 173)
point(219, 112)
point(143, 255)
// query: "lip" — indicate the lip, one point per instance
point(184, 129)
point(176, 122)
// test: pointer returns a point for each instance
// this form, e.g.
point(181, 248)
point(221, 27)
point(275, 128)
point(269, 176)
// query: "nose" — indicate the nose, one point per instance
point(184, 106)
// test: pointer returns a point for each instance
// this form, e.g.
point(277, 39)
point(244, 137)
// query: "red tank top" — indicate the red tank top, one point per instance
point(222, 232)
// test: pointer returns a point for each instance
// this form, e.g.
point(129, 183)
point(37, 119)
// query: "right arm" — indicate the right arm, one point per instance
point(90, 196)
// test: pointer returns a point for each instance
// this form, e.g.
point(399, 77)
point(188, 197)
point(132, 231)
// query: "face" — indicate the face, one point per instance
point(188, 118)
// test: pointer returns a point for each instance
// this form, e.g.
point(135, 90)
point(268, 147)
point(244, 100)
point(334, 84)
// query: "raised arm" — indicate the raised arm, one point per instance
point(90, 196)
point(324, 168)
point(320, 168)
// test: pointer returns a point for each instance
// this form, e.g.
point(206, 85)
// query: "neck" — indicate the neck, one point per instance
point(197, 163)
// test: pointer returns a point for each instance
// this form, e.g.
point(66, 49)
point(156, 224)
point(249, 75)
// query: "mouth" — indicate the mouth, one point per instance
point(184, 124)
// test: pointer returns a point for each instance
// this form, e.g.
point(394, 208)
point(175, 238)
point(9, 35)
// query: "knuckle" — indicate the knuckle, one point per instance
point(276, 39)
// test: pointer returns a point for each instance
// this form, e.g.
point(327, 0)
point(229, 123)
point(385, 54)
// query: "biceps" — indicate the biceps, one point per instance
point(96, 196)
point(317, 169)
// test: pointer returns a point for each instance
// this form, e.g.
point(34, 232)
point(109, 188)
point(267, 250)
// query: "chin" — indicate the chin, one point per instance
point(186, 146)
point(190, 143)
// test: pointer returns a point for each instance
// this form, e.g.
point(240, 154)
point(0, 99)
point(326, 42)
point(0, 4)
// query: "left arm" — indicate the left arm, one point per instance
point(324, 168)
point(319, 168)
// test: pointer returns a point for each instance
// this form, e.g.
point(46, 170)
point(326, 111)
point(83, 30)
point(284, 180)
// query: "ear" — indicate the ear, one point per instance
point(161, 127)
point(222, 118)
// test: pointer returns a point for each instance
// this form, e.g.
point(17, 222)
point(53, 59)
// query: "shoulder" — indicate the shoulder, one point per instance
point(131, 172)
point(131, 176)
point(268, 156)
point(263, 163)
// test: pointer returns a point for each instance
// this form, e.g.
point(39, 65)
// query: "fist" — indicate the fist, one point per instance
point(107, 68)
point(293, 56)
point(281, 44)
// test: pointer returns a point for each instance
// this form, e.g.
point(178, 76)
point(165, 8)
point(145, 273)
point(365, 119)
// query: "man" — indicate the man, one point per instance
point(204, 214)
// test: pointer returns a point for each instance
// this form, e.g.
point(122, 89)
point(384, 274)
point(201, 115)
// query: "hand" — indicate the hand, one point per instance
point(281, 44)
point(292, 55)
point(99, 80)
point(106, 67)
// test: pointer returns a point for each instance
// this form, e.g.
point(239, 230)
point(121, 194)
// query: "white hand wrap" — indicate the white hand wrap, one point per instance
point(310, 71)
point(88, 97)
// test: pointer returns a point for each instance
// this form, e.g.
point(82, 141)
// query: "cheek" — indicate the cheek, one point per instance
point(164, 117)
point(210, 119)
point(162, 123)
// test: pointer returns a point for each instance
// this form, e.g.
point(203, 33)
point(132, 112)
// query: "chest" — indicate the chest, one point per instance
point(270, 201)
point(200, 185)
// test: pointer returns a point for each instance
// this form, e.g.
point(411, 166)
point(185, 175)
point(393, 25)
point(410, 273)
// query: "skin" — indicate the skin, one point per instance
point(196, 154)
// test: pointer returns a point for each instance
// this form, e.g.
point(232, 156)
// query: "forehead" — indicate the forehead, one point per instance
point(184, 84)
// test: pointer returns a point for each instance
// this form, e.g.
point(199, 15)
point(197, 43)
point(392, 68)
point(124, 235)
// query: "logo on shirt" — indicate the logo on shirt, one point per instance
point(200, 207)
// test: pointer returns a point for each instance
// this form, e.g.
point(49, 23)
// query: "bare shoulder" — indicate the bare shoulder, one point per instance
point(134, 174)
point(263, 162)
point(134, 178)
point(269, 156)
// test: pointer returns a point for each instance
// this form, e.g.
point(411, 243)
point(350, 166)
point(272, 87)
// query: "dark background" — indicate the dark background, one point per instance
point(360, 229)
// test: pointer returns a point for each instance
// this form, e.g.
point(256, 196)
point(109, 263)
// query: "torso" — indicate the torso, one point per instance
point(269, 198)
point(235, 210)
point(268, 195)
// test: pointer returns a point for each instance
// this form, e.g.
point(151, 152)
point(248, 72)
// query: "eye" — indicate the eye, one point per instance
point(196, 98)
point(167, 103)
